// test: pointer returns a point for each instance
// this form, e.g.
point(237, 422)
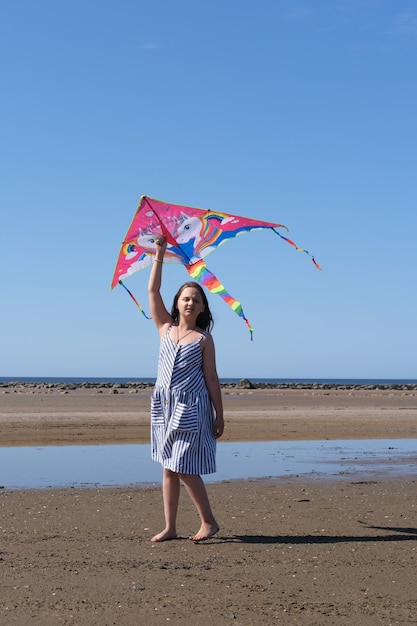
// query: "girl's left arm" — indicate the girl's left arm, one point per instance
point(159, 313)
point(213, 383)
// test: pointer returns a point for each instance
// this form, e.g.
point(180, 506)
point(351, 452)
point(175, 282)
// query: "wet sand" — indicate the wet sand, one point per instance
point(288, 551)
point(61, 415)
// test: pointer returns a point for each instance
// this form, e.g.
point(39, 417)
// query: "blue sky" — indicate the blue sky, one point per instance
point(302, 113)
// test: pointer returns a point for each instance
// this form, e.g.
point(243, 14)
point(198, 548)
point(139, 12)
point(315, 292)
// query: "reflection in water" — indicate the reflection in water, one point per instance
point(117, 465)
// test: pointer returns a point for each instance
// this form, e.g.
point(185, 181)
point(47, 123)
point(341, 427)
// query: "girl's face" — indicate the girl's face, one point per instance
point(190, 303)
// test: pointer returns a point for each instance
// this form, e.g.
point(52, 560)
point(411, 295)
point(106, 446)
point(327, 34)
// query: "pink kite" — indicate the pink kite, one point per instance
point(191, 234)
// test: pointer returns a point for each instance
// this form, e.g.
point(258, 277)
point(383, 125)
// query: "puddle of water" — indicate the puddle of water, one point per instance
point(119, 465)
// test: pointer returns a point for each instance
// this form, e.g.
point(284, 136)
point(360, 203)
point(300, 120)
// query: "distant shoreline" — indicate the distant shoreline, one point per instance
point(48, 413)
point(244, 383)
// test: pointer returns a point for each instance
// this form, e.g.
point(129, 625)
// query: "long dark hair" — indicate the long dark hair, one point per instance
point(205, 319)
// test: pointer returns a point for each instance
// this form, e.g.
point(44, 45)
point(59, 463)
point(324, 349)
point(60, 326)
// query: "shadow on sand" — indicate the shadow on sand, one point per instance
point(401, 534)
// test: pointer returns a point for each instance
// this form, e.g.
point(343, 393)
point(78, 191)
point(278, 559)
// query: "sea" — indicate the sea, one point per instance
point(272, 381)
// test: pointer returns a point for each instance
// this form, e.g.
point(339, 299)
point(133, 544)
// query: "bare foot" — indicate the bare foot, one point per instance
point(165, 535)
point(206, 531)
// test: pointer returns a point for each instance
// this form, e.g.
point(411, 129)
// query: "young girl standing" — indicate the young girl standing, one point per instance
point(186, 406)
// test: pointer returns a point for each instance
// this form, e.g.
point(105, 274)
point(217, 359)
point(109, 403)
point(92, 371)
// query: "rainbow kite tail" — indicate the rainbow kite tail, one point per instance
point(134, 300)
point(199, 272)
point(296, 247)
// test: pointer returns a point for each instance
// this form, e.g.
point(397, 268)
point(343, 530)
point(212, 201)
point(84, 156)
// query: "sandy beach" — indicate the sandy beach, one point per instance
point(69, 414)
point(288, 552)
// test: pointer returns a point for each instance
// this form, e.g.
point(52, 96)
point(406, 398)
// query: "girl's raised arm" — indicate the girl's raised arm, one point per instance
point(159, 313)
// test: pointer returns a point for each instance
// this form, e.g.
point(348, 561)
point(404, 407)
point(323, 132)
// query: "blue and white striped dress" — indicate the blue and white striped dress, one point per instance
point(182, 414)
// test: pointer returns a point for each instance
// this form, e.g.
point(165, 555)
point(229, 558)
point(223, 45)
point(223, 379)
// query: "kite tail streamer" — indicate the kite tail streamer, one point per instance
point(202, 274)
point(296, 247)
point(134, 300)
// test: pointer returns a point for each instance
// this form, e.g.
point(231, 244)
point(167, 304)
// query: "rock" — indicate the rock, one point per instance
point(244, 384)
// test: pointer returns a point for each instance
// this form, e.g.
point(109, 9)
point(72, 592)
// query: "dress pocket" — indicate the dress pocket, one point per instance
point(185, 417)
point(157, 413)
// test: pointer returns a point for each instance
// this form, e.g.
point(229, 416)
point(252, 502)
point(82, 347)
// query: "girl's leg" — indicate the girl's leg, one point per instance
point(197, 491)
point(171, 495)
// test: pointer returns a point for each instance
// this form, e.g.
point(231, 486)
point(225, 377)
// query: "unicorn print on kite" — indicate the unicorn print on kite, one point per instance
point(191, 234)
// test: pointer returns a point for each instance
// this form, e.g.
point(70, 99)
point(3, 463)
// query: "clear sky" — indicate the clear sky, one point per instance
point(298, 112)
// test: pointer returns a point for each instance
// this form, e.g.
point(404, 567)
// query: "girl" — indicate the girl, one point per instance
point(184, 425)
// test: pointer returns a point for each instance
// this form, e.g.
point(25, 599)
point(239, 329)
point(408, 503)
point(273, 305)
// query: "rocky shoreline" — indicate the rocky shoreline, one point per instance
point(19, 386)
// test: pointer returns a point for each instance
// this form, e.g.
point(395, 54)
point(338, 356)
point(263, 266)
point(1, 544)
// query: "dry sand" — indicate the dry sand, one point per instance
point(288, 552)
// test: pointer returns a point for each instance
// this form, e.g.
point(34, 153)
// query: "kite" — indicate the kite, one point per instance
point(191, 234)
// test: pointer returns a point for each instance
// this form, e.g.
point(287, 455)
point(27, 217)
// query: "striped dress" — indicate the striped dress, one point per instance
point(182, 414)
